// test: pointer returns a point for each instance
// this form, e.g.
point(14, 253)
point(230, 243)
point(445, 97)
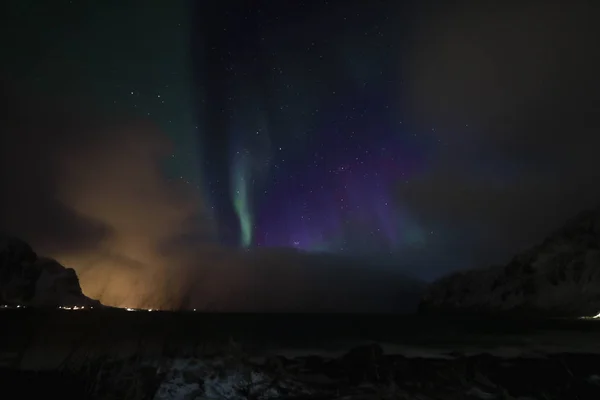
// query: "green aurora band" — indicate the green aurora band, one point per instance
point(241, 202)
point(251, 158)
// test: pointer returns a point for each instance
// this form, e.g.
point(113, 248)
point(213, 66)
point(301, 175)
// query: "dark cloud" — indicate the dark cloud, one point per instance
point(499, 66)
point(509, 93)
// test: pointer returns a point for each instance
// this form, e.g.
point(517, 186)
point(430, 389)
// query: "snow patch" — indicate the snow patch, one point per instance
point(190, 379)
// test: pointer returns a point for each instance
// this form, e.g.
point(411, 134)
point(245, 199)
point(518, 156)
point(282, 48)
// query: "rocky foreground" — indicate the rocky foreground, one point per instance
point(558, 277)
point(364, 373)
point(29, 280)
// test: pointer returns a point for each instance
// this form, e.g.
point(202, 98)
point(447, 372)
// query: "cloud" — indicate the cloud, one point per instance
point(91, 193)
point(508, 93)
point(287, 280)
point(496, 65)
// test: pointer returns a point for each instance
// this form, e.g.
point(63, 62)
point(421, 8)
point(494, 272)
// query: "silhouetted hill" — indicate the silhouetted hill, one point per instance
point(30, 280)
point(560, 276)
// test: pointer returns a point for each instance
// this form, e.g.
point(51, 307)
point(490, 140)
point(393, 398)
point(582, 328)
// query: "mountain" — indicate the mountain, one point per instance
point(559, 277)
point(30, 280)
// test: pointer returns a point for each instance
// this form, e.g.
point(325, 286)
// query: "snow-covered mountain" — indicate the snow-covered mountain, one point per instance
point(560, 276)
point(30, 280)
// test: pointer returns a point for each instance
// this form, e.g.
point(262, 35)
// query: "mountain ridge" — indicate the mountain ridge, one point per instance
point(560, 277)
point(27, 279)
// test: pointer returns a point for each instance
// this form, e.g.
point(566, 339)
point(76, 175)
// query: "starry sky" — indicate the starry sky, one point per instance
point(307, 134)
point(221, 148)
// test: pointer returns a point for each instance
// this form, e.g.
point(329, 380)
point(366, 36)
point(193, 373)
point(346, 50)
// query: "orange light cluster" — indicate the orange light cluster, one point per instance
point(6, 306)
point(81, 308)
point(75, 308)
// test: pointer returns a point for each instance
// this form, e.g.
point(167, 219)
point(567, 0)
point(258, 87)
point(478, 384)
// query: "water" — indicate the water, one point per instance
point(47, 338)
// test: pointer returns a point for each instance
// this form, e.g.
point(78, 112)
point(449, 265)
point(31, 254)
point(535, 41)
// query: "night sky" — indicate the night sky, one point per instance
point(217, 155)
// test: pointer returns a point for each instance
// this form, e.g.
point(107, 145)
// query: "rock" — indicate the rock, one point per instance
point(195, 394)
point(275, 363)
point(559, 277)
point(193, 376)
point(363, 363)
point(29, 280)
point(315, 379)
point(594, 379)
point(362, 355)
point(480, 394)
point(314, 363)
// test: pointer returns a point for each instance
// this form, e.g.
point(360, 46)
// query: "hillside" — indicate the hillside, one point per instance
point(29, 280)
point(560, 276)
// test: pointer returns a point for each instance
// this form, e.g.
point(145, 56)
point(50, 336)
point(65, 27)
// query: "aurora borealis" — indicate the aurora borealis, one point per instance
point(217, 148)
point(311, 142)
